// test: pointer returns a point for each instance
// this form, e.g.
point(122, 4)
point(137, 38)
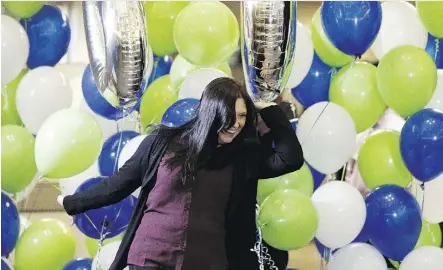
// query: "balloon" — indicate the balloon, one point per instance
point(68, 143)
point(432, 200)
point(434, 48)
point(40, 93)
point(23, 9)
point(393, 221)
point(180, 112)
point(112, 147)
point(109, 220)
point(288, 220)
point(206, 33)
point(421, 144)
point(341, 213)
point(162, 66)
point(196, 82)
point(315, 86)
point(69, 185)
point(430, 235)
point(9, 111)
point(406, 78)
point(359, 256)
point(18, 162)
point(431, 15)
point(129, 149)
point(351, 26)
point(79, 264)
point(156, 100)
point(10, 225)
point(24, 224)
point(436, 101)
point(300, 180)
point(46, 244)
point(400, 26)
point(317, 176)
point(327, 143)
point(160, 19)
point(105, 256)
point(424, 258)
point(380, 162)
point(15, 49)
point(5, 265)
point(93, 244)
point(327, 52)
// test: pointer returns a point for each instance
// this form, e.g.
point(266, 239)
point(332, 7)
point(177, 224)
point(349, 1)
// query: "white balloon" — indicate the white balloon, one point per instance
point(304, 54)
point(433, 200)
point(40, 93)
point(436, 101)
point(423, 258)
point(341, 213)
point(400, 25)
point(69, 185)
point(15, 48)
point(24, 223)
point(196, 82)
point(104, 258)
point(328, 137)
point(359, 256)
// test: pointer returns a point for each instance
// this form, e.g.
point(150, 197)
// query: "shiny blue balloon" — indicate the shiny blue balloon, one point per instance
point(317, 176)
point(434, 48)
point(79, 264)
point(393, 221)
point(351, 26)
point(108, 158)
point(421, 144)
point(180, 112)
point(10, 225)
point(5, 265)
point(110, 220)
point(49, 35)
point(315, 86)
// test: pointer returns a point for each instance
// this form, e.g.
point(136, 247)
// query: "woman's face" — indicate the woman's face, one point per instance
point(227, 136)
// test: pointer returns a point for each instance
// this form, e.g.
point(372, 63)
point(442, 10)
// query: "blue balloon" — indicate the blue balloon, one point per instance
point(351, 26)
point(317, 176)
point(49, 35)
point(79, 264)
point(180, 112)
point(315, 86)
point(108, 158)
point(5, 265)
point(434, 48)
point(10, 225)
point(294, 123)
point(421, 144)
point(393, 221)
point(110, 220)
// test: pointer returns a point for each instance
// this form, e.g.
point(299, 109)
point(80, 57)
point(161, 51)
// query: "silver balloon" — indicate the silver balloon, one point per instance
point(120, 57)
point(268, 46)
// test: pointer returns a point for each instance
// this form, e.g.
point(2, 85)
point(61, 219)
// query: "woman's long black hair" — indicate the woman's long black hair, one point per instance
point(198, 139)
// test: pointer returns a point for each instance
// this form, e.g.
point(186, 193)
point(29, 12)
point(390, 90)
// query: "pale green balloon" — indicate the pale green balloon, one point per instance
point(431, 14)
point(10, 114)
point(46, 244)
point(23, 9)
point(68, 143)
point(92, 244)
point(18, 161)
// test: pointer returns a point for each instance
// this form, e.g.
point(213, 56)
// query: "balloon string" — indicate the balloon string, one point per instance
point(315, 123)
point(437, 48)
point(422, 186)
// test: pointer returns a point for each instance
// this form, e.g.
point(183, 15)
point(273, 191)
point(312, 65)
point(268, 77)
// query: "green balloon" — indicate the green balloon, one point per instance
point(23, 9)
point(354, 88)
point(300, 180)
point(406, 78)
point(92, 244)
point(288, 219)
point(324, 48)
point(18, 161)
point(10, 114)
point(431, 14)
point(158, 97)
point(47, 244)
point(206, 33)
point(380, 162)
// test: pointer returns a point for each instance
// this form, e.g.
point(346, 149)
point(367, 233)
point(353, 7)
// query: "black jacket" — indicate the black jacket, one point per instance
point(253, 162)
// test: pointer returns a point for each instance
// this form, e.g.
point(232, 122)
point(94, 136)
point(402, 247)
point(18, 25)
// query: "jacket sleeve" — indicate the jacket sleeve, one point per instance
point(113, 189)
point(287, 156)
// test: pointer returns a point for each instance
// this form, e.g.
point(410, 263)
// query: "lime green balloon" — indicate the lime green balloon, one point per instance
point(10, 114)
point(380, 162)
point(431, 14)
point(46, 244)
point(406, 78)
point(23, 9)
point(396, 264)
point(158, 97)
point(324, 48)
point(68, 143)
point(18, 163)
point(300, 180)
point(181, 68)
point(160, 19)
point(206, 33)
point(354, 88)
point(288, 219)
point(92, 244)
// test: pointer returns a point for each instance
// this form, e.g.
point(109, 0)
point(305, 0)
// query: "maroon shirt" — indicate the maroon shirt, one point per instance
point(183, 224)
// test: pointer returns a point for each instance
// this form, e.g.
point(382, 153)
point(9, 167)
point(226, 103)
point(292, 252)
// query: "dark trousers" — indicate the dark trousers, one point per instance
point(135, 267)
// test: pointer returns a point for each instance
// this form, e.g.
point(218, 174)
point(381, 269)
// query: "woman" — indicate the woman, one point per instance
point(196, 209)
